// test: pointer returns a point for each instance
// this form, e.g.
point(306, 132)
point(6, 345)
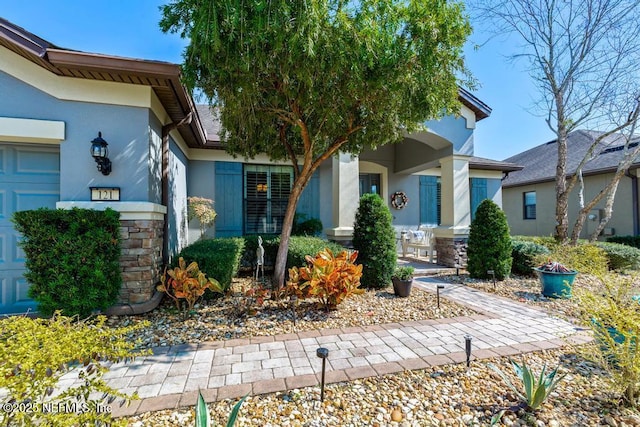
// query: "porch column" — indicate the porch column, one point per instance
point(452, 234)
point(346, 195)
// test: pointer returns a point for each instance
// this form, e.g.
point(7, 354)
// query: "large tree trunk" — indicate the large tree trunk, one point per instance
point(608, 211)
point(562, 195)
point(299, 184)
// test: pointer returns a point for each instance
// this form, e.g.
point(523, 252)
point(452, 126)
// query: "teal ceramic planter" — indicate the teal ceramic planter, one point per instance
point(556, 284)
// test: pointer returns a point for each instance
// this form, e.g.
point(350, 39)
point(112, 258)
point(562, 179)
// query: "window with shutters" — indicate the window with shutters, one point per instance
point(266, 194)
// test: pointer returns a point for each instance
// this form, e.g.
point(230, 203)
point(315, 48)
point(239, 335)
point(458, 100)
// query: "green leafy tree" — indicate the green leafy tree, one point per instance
point(303, 80)
point(489, 242)
point(375, 241)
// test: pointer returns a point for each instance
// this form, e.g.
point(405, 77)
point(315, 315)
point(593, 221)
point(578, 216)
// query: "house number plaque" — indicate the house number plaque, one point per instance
point(105, 194)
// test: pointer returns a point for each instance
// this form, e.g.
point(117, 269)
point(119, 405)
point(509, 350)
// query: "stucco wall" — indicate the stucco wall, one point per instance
point(177, 209)
point(201, 181)
point(124, 128)
point(543, 225)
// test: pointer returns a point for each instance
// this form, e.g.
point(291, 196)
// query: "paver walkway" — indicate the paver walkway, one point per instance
point(172, 376)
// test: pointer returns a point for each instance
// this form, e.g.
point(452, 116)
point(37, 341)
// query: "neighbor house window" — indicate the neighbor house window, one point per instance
point(529, 199)
point(266, 194)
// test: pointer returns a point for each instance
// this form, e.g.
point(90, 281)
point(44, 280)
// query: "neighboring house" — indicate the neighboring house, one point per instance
point(163, 148)
point(529, 195)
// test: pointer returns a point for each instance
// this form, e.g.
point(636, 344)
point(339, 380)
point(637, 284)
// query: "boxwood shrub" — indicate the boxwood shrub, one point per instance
point(525, 255)
point(625, 240)
point(217, 258)
point(374, 238)
point(299, 247)
point(489, 246)
point(72, 258)
point(621, 257)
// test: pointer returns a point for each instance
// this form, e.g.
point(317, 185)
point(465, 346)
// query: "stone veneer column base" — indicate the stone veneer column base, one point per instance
point(141, 232)
point(140, 259)
point(452, 252)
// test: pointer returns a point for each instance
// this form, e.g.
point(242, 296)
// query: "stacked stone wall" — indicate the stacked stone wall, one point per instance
point(452, 252)
point(140, 259)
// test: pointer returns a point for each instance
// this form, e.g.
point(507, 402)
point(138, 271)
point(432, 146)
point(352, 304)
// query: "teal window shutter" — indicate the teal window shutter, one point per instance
point(228, 199)
point(309, 202)
point(478, 193)
point(430, 198)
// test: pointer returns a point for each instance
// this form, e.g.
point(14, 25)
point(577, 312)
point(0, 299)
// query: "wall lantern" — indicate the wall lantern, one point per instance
point(100, 153)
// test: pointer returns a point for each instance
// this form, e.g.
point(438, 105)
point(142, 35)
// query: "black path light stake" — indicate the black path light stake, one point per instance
point(467, 348)
point(322, 353)
point(493, 274)
point(438, 294)
point(294, 301)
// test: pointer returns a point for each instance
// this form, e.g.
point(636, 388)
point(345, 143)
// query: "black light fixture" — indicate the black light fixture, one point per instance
point(467, 348)
point(100, 154)
point(322, 353)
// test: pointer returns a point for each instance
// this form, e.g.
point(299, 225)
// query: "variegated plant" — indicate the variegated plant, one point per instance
point(328, 277)
point(188, 283)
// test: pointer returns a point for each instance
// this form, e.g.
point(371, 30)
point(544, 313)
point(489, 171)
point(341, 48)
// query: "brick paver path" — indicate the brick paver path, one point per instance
point(172, 376)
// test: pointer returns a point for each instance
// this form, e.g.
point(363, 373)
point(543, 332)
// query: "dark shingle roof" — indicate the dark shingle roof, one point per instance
point(540, 162)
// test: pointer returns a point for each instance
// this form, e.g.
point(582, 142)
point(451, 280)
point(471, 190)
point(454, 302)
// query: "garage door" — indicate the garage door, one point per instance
point(29, 179)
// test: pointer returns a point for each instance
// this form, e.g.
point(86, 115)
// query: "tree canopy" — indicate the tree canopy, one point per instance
point(302, 80)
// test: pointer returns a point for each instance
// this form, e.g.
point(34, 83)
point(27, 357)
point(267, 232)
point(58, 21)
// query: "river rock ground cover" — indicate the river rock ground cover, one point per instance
point(239, 316)
point(450, 395)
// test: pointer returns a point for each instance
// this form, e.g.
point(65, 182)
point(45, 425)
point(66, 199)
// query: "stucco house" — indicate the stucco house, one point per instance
point(529, 197)
point(162, 148)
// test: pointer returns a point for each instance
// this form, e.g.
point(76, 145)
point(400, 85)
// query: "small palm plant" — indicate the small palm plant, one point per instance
point(535, 389)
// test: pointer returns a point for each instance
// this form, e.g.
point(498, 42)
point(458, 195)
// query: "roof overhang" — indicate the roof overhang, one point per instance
point(481, 110)
point(164, 78)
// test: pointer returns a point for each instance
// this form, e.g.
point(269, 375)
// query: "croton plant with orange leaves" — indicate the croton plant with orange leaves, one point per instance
point(188, 283)
point(328, 277)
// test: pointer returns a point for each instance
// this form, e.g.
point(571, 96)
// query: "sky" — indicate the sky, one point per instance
point(129, 28)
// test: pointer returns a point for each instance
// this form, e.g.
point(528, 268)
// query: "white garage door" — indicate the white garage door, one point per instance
point(29, 179)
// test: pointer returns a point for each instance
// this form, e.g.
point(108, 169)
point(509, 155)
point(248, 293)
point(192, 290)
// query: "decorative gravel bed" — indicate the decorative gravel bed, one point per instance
point(528, 290)
point(447, 395)
point(232, 317)
point(438, 396)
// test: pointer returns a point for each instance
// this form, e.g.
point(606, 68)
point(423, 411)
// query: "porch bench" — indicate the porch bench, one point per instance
point(420, 239)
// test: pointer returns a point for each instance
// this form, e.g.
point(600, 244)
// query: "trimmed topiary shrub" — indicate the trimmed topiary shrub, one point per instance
point(525, 254)
point(374, 239)
point(489, 246)
point(306, 227)
point(299, 247)
point(620, 257)
point(217, 258)
point(72, 258)
point(625, 240)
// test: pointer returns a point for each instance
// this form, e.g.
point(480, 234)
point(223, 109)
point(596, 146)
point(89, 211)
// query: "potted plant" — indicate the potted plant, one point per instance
point(402, 279)
point(556, 279)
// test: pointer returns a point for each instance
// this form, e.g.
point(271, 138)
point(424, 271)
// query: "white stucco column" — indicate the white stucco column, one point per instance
point(346, 195)
point(455, 202)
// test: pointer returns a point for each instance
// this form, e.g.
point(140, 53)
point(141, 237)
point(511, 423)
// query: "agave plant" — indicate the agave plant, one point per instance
point(203, 419)
point(535, 389)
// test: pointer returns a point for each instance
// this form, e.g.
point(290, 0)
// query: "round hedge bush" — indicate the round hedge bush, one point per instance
point(489, 246)
point(525, 254)
point(374, 239)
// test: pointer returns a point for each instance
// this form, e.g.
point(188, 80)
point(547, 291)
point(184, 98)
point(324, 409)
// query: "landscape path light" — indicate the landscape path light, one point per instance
point(322, 353)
